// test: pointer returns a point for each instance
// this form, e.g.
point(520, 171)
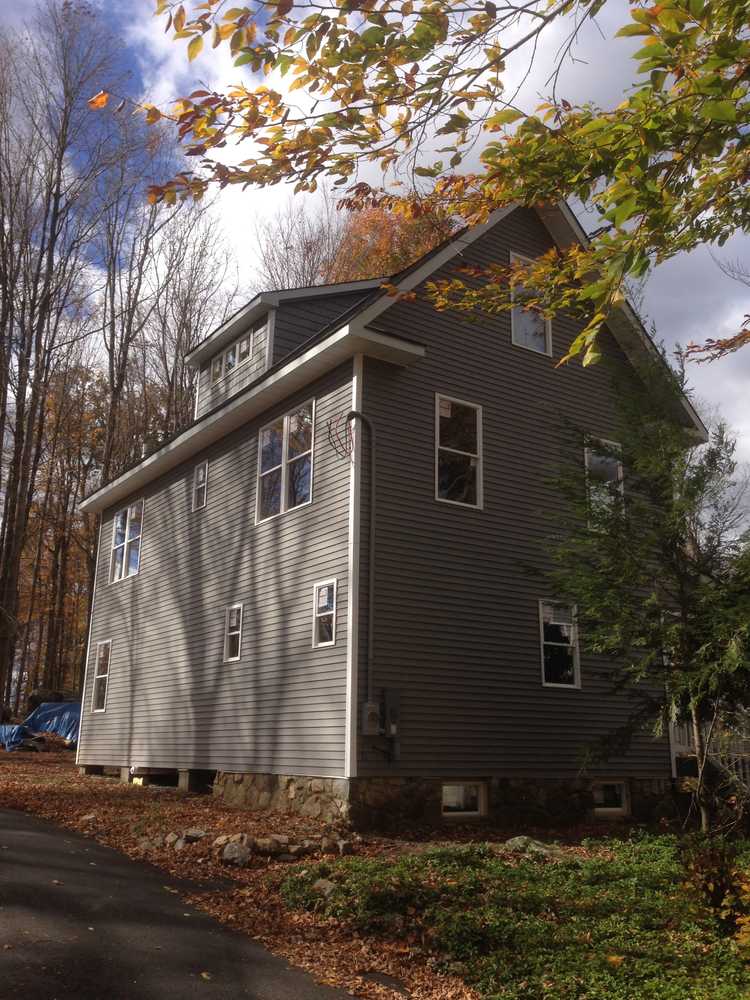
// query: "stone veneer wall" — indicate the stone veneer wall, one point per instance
point(390, 802)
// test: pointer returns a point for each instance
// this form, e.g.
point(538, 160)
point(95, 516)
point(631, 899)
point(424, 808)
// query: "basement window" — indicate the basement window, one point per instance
point(464, 800)
point(611, 798)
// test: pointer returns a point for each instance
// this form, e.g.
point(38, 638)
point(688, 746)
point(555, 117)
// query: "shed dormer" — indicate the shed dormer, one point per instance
point(264, 332)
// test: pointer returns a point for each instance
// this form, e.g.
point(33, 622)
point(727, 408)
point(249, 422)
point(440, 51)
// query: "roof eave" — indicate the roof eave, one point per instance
point(319, 359)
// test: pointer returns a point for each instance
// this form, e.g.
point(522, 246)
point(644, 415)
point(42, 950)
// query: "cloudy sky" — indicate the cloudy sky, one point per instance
point(688, 298)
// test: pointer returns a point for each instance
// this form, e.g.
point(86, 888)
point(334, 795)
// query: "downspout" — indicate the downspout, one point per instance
point(358, 415)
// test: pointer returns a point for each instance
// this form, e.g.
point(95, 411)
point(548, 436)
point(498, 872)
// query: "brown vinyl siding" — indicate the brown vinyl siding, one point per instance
point(171, 701)
point(457, 628)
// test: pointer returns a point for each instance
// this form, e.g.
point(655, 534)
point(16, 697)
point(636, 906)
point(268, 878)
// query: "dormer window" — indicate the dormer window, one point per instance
point(250, 346)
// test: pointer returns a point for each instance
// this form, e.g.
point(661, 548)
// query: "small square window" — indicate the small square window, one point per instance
point(465, 799)
point(324, 614)
point(611, 798)
point(559, 637)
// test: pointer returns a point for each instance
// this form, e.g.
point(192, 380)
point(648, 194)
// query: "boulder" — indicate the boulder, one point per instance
point(221, 841)
point(531, 847)
point(324, 886)
point(88, 818)
point(236, 854)
point(194, 834)
point(267, 845)
point(171, 839)
point(179, 843)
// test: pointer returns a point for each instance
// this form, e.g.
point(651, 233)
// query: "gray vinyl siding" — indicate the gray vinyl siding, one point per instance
point(457, 628)
point(171, 701)
point(210, 396)
point(297, 320)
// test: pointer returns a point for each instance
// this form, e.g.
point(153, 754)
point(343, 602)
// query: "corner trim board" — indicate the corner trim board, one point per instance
point(352, 604)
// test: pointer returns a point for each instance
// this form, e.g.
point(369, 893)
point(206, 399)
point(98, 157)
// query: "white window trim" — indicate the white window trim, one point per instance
point(195, 506)
point(212, 383)
point(576, 685)
point(229, 608)
point(104, 642)
point(316, 615)
point(469, 813)
point(614, 811)
point(590, 449)
point(284, 465)
point(127, 507)
point(547, 322)
point(479, 505)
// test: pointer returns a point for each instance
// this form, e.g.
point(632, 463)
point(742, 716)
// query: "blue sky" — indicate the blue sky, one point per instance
point(688, 298)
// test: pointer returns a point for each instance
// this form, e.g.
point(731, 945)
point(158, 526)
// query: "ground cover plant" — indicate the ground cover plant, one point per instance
point(620, 924)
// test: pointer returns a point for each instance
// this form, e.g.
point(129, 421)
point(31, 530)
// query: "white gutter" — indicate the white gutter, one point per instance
point(296, 374)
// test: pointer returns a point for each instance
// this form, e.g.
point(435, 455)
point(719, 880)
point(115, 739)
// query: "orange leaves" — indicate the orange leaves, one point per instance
point(98, 101)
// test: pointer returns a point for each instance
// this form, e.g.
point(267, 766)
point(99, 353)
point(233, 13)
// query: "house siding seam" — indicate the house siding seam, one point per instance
point(171, 701)
point(457, 628)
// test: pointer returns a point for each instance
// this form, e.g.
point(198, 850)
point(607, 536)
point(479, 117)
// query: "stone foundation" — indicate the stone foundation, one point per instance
point(393, 802)
point(326, 799)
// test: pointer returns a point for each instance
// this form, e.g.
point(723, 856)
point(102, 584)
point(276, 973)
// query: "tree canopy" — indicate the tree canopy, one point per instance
point(346, 83)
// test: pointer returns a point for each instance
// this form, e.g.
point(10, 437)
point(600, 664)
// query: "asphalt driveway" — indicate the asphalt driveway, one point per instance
point(80, 920)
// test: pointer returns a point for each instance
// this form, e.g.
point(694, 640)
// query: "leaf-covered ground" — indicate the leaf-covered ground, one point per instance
point(605, 919)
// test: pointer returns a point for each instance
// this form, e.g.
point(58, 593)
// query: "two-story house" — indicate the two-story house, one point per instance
point(257, 615)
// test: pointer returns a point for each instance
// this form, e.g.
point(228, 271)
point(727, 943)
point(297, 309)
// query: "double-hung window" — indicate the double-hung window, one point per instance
point(285, 462)
point(559, 637)
point(324, 613)
point(232, 632)
point(528, 327)
point(604, 478)
point(200, 485)
point(101, 676)
point(458, 452)
point(126, 542)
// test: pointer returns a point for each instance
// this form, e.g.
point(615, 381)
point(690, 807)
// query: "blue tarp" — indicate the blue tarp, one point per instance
point(61, 717)
point(13, 736)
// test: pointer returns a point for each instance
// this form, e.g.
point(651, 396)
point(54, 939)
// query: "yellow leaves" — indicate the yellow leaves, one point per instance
point(221, 33)
point(194, 47)
point(178, 19)
point(98, 101)
point(152, 114)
